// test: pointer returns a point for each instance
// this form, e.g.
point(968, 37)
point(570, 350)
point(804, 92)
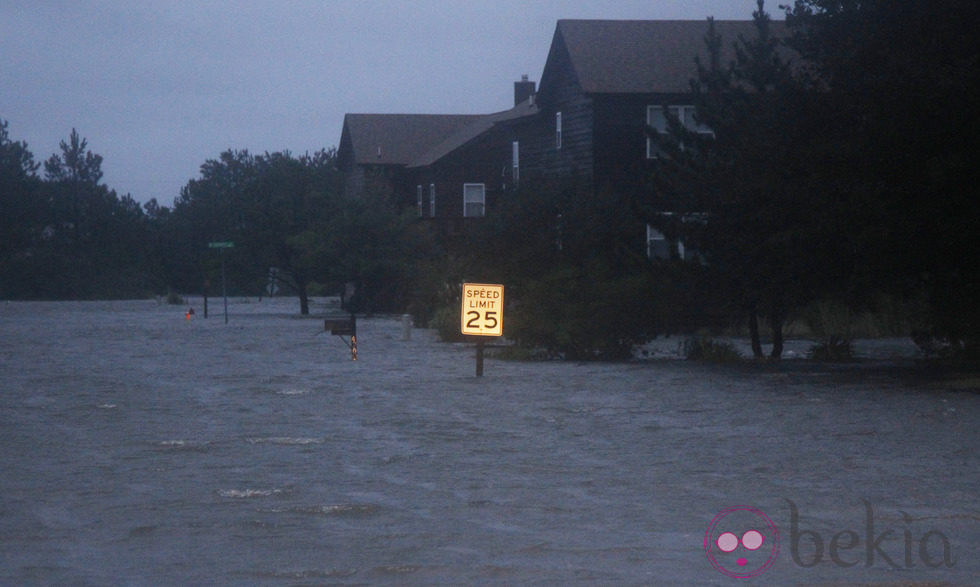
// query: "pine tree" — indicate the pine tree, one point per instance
point(733, 191)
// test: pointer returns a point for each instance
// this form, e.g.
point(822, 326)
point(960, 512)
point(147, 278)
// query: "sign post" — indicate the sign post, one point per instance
point(224, 291)
point(482, 314)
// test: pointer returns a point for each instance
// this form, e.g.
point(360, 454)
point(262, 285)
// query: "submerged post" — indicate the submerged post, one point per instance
point(224, 289)
point(223, 245)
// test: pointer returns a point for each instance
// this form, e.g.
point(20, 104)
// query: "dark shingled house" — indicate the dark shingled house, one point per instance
point(375, 148)
point(604, 83)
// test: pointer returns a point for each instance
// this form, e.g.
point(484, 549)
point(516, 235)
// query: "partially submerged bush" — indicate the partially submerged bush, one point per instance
point(446, 323)
point(702, 348)
point(834, 349)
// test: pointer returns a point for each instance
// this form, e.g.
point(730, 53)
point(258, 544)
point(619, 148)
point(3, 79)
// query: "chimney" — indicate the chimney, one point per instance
point(523, 90)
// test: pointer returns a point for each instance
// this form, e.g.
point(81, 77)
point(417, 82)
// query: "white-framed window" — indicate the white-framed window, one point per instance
point(657, 119)
point(558, 130)
point(418, 192)
point(515, 162)
point(474, 199)
point(432, 199)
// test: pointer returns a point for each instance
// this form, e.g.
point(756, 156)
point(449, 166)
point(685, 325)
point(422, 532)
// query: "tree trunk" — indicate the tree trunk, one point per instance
point(304, 298)
point(776, 323)
point(754, 332)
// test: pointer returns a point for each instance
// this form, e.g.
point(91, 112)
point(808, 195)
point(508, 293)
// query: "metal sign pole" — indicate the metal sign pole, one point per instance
point(479, 358)
point(224, 290)
point(482, 314)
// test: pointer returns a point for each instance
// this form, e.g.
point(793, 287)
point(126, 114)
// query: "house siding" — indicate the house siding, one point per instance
point(563, 94)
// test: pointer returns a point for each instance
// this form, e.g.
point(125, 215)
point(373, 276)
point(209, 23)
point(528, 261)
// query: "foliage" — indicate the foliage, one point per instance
point(445, 321)
point(835, 176)
point(898, 82)
point(732, 194)
point(578, 285)
point(68, 235)
point(373, 244)
point(174, 299)
point(290, 213)
point(583, 313)
point(833, 349)
point(435, 285)
point(702, 348)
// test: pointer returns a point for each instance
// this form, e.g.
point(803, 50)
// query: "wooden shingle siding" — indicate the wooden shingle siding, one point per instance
point(564, 94)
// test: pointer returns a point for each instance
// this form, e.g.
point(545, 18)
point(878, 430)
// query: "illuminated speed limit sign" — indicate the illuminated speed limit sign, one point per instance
point(483, 309)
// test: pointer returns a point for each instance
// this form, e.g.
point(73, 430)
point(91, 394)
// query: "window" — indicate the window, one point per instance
point(418, 191)
point(657, 119)
point(558, 130)
point(657, 245)
point(432, 199)
point(515, 159)
point(474, 199)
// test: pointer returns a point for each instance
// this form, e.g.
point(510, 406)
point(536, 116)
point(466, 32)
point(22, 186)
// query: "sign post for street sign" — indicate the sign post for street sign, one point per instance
point(482, 314)
point(224, 291)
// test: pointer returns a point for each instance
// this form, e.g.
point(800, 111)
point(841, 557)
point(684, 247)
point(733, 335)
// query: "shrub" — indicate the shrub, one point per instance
point(702, 348)
point(834, 349)
point(446, 323)
point(582, 316)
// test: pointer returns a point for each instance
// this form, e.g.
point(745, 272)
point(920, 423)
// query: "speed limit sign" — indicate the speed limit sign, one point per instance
point(483, 309)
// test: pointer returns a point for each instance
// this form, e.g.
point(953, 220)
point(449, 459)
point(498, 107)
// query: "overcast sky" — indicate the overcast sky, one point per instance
point(158, 87)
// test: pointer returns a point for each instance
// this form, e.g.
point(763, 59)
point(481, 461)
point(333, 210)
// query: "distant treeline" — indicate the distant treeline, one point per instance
point(839, 173)
point(66, 235)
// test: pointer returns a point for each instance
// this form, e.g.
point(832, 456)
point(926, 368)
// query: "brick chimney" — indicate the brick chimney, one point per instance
point(523, 90)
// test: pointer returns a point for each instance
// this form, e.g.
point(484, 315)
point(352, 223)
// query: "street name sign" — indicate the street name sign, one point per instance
point(483, 309)
point(221, 245)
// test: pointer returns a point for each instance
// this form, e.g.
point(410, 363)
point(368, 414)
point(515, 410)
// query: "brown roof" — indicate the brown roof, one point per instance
point(642, 56)
point(471, 131)
point(397, 139)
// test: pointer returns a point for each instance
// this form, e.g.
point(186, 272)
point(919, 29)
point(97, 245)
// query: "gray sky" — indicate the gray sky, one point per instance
point(158, 87)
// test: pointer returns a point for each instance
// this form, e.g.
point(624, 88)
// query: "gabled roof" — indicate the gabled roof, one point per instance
point(395, 139)
point(640, 56)
point(473, 130)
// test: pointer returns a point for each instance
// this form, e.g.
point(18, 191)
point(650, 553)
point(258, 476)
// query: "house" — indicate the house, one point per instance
point(375, 149)
point(604, 84)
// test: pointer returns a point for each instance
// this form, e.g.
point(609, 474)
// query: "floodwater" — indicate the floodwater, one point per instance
point(139, 447)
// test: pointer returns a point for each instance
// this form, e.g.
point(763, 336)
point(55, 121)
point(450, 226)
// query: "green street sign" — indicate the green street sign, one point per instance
point(221, 245)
